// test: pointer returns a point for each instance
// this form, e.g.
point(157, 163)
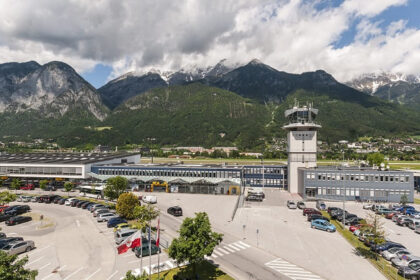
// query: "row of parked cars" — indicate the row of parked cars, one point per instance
point(11, 215)
point(314, 216)
point(15, 245)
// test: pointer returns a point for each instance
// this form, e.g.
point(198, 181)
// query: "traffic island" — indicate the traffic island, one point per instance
point(42, 221)
point(205, 270)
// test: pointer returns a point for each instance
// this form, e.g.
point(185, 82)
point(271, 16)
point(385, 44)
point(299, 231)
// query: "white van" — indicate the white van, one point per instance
point(122, 234)
point(150, 199)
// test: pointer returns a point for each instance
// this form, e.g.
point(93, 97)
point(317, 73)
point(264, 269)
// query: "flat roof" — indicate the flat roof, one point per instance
point(59, 158)
point(179, 165)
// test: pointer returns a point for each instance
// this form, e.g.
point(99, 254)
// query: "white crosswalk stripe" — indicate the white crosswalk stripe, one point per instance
point(226, 249)
point(292, 271)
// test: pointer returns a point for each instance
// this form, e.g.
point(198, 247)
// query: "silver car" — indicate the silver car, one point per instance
point(18, 247)
point(100, 211)
point(122, 234)
point(104, 217)
point(291, 204)
point(394, 252)
point(404, 260)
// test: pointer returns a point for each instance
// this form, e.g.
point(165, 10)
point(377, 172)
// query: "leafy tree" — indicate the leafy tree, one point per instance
point(144, 214)
point(43, 184)
point(373, 229)
point(13, 268)
point(68, 186)
point(196, 240)
point(375, 159)
point(15, 184)
point(115, 186)
point(126, 204)
point(7, 197)
point(130, 276)
point(404, 199)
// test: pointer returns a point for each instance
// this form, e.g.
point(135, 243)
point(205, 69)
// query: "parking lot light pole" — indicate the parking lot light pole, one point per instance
point(344, 194)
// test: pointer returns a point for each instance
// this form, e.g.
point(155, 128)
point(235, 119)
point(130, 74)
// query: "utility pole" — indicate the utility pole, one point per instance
point(344, 194)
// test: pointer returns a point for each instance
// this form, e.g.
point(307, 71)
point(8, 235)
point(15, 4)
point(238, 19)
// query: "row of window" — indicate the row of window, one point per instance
point(265, 170)
point(41, 170)
point(267, 182)
point(360, 192)
point(170, 173)
point(358, 177)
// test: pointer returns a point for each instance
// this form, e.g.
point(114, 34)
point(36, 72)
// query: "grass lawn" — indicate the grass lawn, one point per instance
point(206, 271)
point(416, 200)
point(361, 249)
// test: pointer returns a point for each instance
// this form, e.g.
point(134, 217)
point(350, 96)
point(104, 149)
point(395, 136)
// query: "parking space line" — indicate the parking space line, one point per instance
point(90, 276)
point(112, 275)
point(61, 268)
point(39, 250)
point(77, 223)
point(134, 261)
point(44, 266)
point(38, 259)
point(73, 273)
point(48, 276)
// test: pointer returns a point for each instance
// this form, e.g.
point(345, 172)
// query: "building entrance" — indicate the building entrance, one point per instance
point(311, 192)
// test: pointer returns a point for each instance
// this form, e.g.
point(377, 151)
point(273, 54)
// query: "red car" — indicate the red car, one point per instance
point(2, 207)
point(28, 187)
point(390, 215)
point(310, 211)
point(355, 227)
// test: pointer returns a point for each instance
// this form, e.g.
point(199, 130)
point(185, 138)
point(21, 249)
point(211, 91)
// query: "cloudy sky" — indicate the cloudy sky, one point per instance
point(103, 39)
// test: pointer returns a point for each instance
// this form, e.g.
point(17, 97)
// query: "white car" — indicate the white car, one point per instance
point(415, 216)
point(68, 201)
point(394, 253)
point(150, 199)
point(404, 260)
point(105, 217)
point(367, 206)
point(291, 204)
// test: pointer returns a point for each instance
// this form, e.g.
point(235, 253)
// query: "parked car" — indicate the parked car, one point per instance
point(115, 221)
point(5, 217)
point(388, 245)
point(69, 201)
point(404, 260)
point(301, 205)
point(2, 235)
point(143, 250)
point(330, 209)
point(396, 216)
point(24, 198)
point(291, 204)
point(79, 203)
point(417, 229)
point(354, 220)
point(62, 201)
point(323, 225)
point(415, 215)
point(413, 223)
point(100, 211)
point(93, 208)
point(391, 214)
point(392, 252)
point(105, 217)
point(384, 211)
point(18, 247)
point(336, 213)
point(3, 207)
point(122, 226)
point(86, 205)
point(367, 206)
point(175, 211)
point(403, 221)
point(7, 240)
point(56, 199)
point(18, 220)
point(34, 199)
point(18, 209)
point(317, 217)
point(307, 211)
point(320, 205)
point(28, 187)
point(74, 202)
point(253, 197)
point(411, 271)
point(122, 234)
point(151, 199)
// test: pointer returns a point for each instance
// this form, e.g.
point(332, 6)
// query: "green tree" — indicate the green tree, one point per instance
point(68, 186)
point(375, 159)
point(126, 204)
point(15, 184)
point(196, 240)
point(404, 199)
point(373, 229)
point(144, 214)
point(115, 186)
point(43, 184)
point(7, 197)
point(13, 268)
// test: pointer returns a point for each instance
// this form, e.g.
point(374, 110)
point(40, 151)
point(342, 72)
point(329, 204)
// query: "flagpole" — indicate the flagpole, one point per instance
point(158, 246)
point(150, 254)
point(141, 251)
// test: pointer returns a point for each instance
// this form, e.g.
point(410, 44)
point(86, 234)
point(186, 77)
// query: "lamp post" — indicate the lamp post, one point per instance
point(344, 194)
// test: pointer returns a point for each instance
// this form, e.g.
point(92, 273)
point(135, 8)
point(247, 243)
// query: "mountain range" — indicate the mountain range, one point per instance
point(227, 104)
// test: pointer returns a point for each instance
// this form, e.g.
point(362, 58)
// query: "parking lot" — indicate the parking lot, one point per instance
point(76, 246)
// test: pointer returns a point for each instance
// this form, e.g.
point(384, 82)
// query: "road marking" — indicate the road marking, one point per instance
point(244, 244)
point(239, 245)
point(170, 264)
point(128, 256)
point(77, 223)
point(13, 233)
point(61, 268)
point(73, 273)
point(223, 251)
point(233, 247)
point(136, 261)
point(44, 266)
point(39, 250)
point(90, 276)
point(38, 259)
point(290, 270)
point(48, 276)
point(229, 249)
point(112, 275)
point(213, 256)
point(217, 253)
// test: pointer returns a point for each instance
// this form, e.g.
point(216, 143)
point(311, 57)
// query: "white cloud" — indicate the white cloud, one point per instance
point(292, 36)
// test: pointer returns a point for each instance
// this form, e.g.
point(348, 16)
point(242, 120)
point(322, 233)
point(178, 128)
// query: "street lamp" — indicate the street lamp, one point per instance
point(344, 194)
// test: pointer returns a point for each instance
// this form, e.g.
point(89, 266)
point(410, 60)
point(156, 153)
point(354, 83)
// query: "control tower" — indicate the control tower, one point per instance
point(301, 143)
